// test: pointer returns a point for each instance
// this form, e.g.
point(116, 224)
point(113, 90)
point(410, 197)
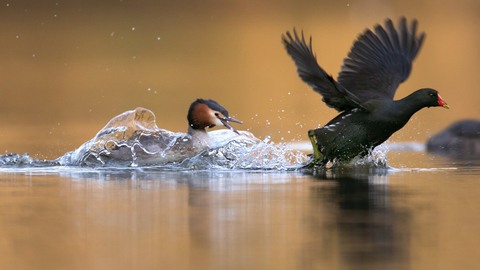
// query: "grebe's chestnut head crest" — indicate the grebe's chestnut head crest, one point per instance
point(208, 113)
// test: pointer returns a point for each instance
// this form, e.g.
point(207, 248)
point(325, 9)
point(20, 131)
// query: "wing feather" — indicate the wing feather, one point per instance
point(378, 62)
point(334, 95)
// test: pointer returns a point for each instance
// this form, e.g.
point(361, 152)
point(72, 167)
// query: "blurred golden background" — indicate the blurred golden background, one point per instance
point(68, 67)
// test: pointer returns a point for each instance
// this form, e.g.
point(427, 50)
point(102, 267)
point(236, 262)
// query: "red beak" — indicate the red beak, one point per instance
point(441, 102)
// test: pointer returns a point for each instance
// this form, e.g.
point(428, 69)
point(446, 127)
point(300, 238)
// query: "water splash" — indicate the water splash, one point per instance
point(376, 160)
point(238, 153)
point(241, 155)
point(13, 160)
point(132, 139)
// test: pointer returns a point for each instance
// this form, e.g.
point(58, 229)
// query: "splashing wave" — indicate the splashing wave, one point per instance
point(133, 139)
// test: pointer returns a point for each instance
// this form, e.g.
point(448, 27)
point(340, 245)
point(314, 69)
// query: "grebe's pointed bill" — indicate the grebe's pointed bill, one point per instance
point(442, 103)
point(225, 120)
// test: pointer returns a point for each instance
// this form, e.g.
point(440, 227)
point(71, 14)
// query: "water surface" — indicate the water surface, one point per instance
point(412, 217)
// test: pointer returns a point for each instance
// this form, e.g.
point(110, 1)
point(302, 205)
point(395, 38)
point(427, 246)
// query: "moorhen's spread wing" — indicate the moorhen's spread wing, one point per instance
point(375, 67)
point(334, 95)
point(378, 62)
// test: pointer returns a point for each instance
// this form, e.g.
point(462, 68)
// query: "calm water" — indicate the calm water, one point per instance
point(422, 215)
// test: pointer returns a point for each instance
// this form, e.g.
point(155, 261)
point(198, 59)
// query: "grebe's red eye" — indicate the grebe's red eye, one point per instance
point(216, 114)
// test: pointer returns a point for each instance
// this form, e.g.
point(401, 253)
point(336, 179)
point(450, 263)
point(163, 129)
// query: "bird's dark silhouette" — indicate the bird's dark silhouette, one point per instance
point(363, 93)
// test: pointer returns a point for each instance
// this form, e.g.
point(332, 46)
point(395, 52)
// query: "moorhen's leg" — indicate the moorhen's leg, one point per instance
point(317, 156)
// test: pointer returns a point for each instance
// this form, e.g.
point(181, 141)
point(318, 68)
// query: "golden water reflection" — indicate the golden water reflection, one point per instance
point(239, 220)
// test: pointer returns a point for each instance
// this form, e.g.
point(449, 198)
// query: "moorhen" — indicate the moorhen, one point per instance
point(363, 93)
point(461, 140)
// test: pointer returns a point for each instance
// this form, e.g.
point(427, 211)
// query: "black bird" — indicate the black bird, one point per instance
point(363, 93)
point(461, 140)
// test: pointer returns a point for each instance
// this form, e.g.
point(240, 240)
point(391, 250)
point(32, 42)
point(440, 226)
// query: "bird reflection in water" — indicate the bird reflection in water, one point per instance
point(364, 225)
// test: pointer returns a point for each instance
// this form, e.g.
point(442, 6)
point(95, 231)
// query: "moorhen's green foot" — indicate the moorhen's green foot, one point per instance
point(314, 164)
point(317, 157)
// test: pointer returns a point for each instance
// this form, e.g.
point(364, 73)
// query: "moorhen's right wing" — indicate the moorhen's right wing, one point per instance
point(378, 62)
point(334, 95)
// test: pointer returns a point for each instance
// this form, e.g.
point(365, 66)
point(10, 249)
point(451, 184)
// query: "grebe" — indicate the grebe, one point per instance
point(377, 63)
point(207, 113)
point(134, 137)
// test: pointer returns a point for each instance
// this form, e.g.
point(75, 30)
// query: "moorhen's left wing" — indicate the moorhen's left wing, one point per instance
point(378, 62)
point(334, 95)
